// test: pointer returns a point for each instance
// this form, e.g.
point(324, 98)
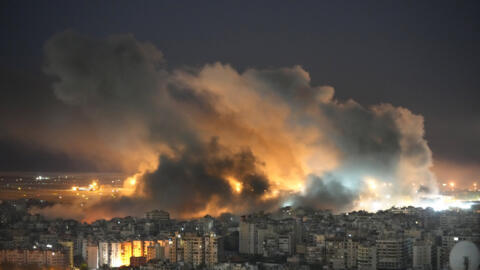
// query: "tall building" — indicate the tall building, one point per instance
point(137, 248)
point(195, 249)
point(285, 244)
point(350, 248)
point(176, 248)
point(251, 238)
point(126, 253)
point(147, 244)
point(92, 256)
point(162, 248)
point(68, 246)
point(212, 249)
point(83, 248)
point(115, 254)
point(55, 258)
point(152, 252)
point(157, 215)
point(104, 254)
point(366, 256)
point(335, 254)
point(248, 238)
point(423, 256)
point(392, 254)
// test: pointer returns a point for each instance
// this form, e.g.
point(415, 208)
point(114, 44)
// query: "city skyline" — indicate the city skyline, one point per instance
point(415, 43)
point(207, 108)
point(239, 135)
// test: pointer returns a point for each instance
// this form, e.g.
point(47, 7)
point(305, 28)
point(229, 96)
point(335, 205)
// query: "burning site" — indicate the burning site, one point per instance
point(248, 135)
point(212, 139)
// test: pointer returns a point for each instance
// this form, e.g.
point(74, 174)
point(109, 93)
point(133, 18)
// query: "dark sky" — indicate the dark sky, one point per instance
point(422, 55)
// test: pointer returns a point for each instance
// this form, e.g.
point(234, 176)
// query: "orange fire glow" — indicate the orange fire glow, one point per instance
point(130, 184)
point(93, 186)
point(235, 185)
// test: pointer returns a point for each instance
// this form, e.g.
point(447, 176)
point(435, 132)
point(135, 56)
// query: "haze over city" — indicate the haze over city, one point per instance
point(114, 109)
point(312, 104)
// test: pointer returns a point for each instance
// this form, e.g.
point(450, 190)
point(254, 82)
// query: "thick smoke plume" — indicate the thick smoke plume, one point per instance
point(212, 139)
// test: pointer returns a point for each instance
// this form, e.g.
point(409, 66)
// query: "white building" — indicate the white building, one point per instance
point(103, 253)
point(92, 257)
point(422, 256)
point(115, 254)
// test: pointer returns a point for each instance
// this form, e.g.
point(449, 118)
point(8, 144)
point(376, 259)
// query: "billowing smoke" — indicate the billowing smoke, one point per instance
point(212, 139)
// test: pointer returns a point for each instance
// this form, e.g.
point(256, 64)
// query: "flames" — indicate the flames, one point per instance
point(236, 185)
point(130, 184)
point(93, 186)
point(273, 131)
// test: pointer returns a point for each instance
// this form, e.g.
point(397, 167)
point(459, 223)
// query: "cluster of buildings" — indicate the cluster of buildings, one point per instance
point(405, 238)
point(37, 256)
point(397, 238)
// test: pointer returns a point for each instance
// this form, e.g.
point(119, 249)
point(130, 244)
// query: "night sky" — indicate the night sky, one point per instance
point(421, 55)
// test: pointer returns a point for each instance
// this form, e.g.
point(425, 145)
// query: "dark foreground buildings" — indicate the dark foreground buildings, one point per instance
point(398, 238)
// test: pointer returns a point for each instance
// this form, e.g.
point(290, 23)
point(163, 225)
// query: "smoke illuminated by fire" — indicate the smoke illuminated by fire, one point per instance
point(235, 184)
point(130, 184)
point(212, 139)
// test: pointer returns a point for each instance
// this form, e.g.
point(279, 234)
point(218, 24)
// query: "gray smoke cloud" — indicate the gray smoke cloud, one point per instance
point(211, 139)
point(325, 193)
